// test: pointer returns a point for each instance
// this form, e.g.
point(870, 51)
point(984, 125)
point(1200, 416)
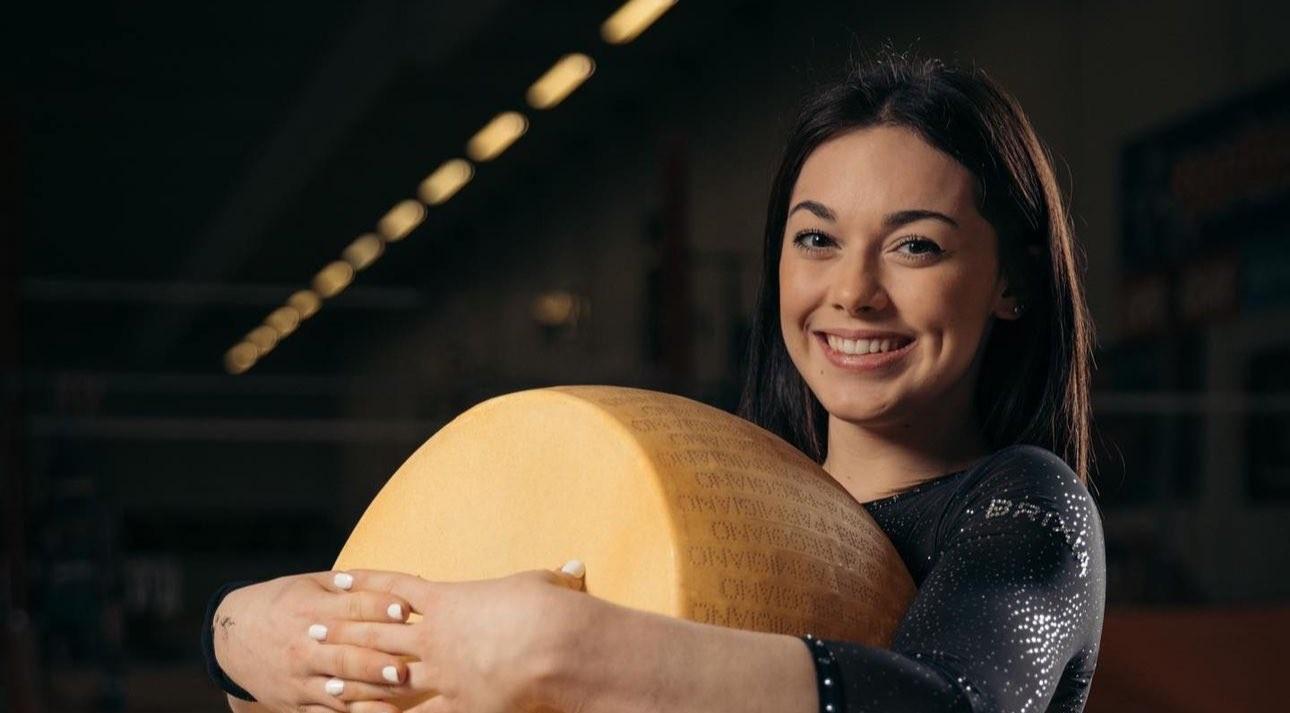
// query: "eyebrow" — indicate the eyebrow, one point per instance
point(891, 222)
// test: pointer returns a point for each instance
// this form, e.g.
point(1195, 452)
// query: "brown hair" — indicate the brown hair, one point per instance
point(1033, 385)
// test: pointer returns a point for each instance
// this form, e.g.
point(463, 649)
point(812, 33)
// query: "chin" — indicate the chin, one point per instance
point(856, 407)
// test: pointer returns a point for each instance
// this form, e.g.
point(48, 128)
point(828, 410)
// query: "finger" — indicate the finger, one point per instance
point(314, 708)
point(336, 581)
point(366, 606)
point(372, 707)
point(409, 587)
point(573, 575)
point(354, 663)
point(338, 691)
point(437, 704)
point(388, 638)
point(423, 676)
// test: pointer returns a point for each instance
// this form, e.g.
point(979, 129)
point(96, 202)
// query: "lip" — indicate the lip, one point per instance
point(864, 362)
point(862, 334)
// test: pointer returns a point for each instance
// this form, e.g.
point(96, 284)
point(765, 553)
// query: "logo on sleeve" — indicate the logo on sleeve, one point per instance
point(1051, 519)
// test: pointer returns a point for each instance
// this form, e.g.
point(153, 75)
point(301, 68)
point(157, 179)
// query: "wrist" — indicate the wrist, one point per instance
point(217, 629)
point(559, 680)
point(619, 658)
point(222, 624)
point(613, 658)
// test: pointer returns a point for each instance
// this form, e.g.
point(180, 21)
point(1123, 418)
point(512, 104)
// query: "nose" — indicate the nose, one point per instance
point(857, 287)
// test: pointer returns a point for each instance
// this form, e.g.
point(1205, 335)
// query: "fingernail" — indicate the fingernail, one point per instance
point(317, 632)
point(344, 580)
point(574, 567)
point(390, 673)
point(335, 686)
point(395, 611)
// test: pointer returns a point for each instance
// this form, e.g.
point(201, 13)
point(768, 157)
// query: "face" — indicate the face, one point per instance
point(884, 241)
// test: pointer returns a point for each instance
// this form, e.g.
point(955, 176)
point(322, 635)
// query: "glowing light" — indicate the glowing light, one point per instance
point(240, 357)
point(363, 251)
point(283, 320)
point(446, 180)
point(497, 135)
point(264, 337)
point(401, 220)
point(556, 308)
point(560, 80)
point(305, 303)
point(631, 19)
point(334, 278)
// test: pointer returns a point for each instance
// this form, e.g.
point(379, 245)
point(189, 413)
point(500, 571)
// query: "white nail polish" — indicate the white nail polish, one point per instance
point(335, 686)
point(317, 632)
point(390, 674)
point(395, 611)
point(344, 580)
point(574, 567)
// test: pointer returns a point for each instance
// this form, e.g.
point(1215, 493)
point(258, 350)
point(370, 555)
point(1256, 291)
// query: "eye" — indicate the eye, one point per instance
point(925, 249)
point(802, 237)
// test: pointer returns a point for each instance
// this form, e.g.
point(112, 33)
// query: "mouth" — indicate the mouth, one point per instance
point(864, 354)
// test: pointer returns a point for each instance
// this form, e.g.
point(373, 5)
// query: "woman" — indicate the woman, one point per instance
point(922, 333)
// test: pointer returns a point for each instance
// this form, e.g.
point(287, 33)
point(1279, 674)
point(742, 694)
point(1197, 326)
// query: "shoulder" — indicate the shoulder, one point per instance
point(1026, 473)
point(1026, 491)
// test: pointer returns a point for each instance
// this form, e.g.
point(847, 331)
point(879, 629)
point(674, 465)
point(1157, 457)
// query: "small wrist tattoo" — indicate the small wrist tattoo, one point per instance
point(225, 623)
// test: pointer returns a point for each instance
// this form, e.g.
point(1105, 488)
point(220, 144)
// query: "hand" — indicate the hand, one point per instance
point(486, 646)
point(263, 642)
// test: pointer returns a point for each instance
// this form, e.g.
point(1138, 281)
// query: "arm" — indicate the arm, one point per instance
point(1016, 591)
point(1016, 595)
point(622, 659)
point(518, 643)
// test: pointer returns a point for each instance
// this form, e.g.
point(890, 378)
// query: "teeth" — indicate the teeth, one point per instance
point(862, 346)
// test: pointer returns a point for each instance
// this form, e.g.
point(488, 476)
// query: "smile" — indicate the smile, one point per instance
point(863, 354)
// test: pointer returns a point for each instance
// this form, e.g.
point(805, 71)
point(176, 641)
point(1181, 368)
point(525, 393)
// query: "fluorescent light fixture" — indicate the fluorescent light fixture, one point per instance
point(560, 80)
point(401, 220)
point(305, 303)
point(284, 320)
point(240, 357)
point(631, 19)
point(497, 135)
point(446, 180)
point(263, 337)
point(334, 278)
point(363, 251)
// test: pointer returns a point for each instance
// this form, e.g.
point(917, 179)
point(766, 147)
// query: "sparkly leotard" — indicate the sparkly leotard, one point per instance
point(1010, 565)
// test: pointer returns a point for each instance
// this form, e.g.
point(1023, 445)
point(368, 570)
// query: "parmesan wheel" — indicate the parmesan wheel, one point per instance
point(675, 507)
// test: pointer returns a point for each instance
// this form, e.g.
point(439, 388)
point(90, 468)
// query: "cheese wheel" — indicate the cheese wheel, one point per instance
point(675, 507)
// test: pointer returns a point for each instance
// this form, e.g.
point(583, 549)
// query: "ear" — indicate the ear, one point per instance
point(1005, 302)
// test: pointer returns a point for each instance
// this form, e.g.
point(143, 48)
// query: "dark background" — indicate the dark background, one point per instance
point(171, 172)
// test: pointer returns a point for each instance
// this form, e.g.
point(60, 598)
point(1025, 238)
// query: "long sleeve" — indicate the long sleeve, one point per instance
point(1009, 616)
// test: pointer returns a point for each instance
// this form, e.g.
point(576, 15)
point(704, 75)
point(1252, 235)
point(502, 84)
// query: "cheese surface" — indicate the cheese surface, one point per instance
point(675, 507)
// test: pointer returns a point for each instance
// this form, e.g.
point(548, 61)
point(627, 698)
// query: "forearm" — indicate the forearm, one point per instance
point(625, 660)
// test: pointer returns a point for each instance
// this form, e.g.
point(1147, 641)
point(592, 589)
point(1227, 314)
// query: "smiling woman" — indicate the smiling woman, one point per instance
point(921, 333)
point(888, 278)
point(906, 187)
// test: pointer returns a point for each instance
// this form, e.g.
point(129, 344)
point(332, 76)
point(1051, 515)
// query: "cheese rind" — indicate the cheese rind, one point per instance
point(674, 506)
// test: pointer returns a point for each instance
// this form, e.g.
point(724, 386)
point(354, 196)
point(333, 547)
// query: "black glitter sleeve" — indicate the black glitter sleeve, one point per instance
point(1009, 616)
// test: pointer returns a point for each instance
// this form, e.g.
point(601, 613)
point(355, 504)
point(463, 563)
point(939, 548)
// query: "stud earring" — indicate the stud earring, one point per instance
point(1017, 309)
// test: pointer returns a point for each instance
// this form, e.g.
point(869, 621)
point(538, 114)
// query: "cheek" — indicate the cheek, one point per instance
point(946, 301)
point(794, 297)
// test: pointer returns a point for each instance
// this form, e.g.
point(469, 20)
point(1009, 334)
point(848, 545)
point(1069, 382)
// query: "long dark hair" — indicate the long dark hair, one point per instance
point(1033, 385)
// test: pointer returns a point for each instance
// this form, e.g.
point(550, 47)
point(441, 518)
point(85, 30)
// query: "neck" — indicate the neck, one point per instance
point(874, 461)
